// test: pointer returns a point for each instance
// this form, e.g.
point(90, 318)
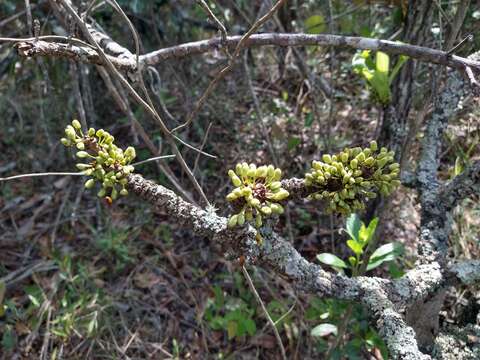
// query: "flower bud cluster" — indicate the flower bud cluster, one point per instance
point(104, 162)
point(257, 194)
point(347, 179)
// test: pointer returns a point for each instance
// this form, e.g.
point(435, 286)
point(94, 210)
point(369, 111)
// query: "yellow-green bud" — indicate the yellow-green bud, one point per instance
point(82, 154)
point(266, 210)
point(65, 142)
point(80, 146)
point(344, 157)
point(258, 220)
point(354, 163)
point(83, 166)
point(277, 208)
point(124, 192)
point(277, 174)
point(91, 132)
point(262, 172)
point(369, 161)
point(70, 132)
point(130, 153)
point(231, 197)
point(232, 222)
point(327, 158)
point(89, 184)
point(360, 157)
point(373, 145)
point(76, 124)
point(241, 219)
point(102, 192)
point(275, 185)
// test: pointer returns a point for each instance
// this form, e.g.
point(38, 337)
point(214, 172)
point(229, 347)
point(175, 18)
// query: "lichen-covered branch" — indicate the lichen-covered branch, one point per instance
point(380, 296)
point(78, 53)
point(278, 39)
point(462, 186)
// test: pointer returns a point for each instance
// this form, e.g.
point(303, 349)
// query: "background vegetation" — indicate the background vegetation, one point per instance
point(81, 279)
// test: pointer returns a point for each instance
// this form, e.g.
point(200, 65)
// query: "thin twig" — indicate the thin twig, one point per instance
point(153, 159)
point(231, 63)
point(137, 97)
point(265, 311)
point(41, 174)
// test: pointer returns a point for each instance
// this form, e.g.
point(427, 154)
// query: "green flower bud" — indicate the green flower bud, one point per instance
point(83, 166)
point(369, 161)
point(80, 146)
point(251, 172)
point(277, 174)
point(124, 192)
point(327, 158)
point(82, 154)
point(101, 193)
point(241, 219)
point(381, 163)
point(114, 193)
point(360, 157)
point(231, 197)
point(266, 210)
point(270, 171)
point(248, 215)
point(261, 172)
point(395, 183)
point(90, 183)
point(70, 132)
point(65, 142)
point(130, 153)
point(100, 133)
point(367, 152)
point(316, 165)
point(91, 132)
point(76, 124)
point(232, 222)
point(258, 220)
point(373, 145)
point(383, 150)
point(277, 208)
point(87, 172)
point(246, 191)
point(238, 169)
point(394, 166)
point(255, 202)
point(344, 157)
point(354, 163)
point(275, 185)
point(280, 195)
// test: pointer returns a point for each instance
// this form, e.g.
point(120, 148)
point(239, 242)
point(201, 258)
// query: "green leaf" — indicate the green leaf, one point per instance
point(315, 24)
point(365, 234)
point(458, 166)
point(308, 120)
point(324, 330)
point(232, 327)
point(382, 62)
point(293, 142)
point(356, 247)
point(402, 59)
point(8, 338)
point(250, 326)
point(384, 253)
point(353, 226)
point(332, 260)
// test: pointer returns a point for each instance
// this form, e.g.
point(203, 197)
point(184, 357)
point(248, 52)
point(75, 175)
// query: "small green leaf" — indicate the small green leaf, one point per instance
point(458, 166)
point(356, 247)
point(250, 326)
point(293, 142)
point(384, 253)
point(308, 120)
point(365, 234)
point(353, 226)
point(315, 24)
point(324, 330)
point(232, 327)
point(382, 62)
point(332, 260)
